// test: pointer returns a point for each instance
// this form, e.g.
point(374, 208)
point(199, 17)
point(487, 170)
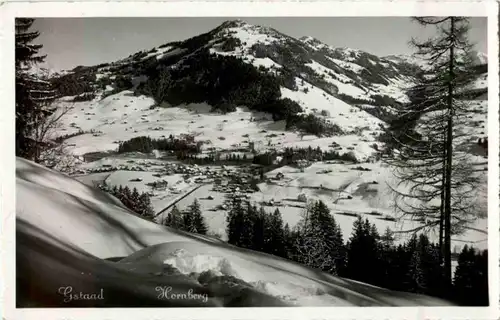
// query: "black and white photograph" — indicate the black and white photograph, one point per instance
point(251, 161)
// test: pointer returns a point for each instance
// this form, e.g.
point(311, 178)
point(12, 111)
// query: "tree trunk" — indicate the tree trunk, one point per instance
point(449, 158)
point(441, 209)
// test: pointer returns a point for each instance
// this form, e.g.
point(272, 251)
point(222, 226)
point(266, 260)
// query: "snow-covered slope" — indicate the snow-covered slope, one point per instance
point(72, 235)
point(123, 116)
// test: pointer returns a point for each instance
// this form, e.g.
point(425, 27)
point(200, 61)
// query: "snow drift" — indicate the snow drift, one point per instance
point(71, 235)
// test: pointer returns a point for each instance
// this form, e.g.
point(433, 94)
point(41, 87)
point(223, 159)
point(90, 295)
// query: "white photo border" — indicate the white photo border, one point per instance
point(8, 11)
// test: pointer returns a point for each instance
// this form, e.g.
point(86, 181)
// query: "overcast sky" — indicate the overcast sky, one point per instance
point(69, 42)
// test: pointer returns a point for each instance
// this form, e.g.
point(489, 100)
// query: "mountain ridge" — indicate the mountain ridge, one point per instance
point(254, 40)
point(238, 64)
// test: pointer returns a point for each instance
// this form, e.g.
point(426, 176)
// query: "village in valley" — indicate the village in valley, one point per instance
point(118, 136)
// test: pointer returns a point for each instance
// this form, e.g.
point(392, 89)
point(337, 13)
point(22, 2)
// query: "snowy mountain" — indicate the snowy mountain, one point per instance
point(45, 72)
point(73, 236)
point(480, 58)
point(302, 68)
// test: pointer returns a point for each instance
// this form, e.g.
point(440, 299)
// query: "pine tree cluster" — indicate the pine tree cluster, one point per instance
point(222, 82)
point(312, 124)
point(81, 84)
point(80, 132)
point(253, 228)
point(147, 145)
point(290, 155)
point(190, 220)
point(230, 158)
point(471, 277)
point(139, 203)
point(367, 256)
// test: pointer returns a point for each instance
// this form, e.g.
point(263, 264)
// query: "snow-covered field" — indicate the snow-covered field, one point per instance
point(347, 189)
point(65, 229)
point(122, 116)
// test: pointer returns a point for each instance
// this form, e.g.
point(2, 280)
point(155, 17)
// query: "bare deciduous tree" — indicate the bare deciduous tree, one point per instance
point(437, 184)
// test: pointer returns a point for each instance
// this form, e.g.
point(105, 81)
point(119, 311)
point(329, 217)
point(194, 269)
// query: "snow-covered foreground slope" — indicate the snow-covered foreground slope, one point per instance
point(70, 235)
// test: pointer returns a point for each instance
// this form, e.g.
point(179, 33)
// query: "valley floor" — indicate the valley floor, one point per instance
point(349, 190)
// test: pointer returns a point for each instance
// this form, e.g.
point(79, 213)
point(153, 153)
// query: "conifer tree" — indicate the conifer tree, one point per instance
point(471, 278)
point(275, 234)
point(437, 182)
point(399, 268)
point(119, 194)
point(464, 279)
point(198, 221)
point(387, 256)
point(174, 219)
point(126, 197)
point(319, 243)
point(187, 221)
point(288, 236)
point(434, 271)
point(387, 239)
point(416, 277)
point(134, 200)
point(362, 251)
point(158, 89)
point(145, 207)
point(126, 192)
point(235, 223)
point(33, 95)
point(240, 227)
point(424, 272)
point(333, 238)
point(258, 220)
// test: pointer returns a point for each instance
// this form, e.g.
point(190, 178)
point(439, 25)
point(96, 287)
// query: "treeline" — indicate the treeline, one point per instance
point(188, 151)
point(74, 134)
point(80, 82)
point(376, 101)
point(291, 155)
point(190, 220)
point(192, 158)
point(312, 124)
point(147, 145)
point(120, 83)
point(139, 203)
point(87, 96)
point(367, 256)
